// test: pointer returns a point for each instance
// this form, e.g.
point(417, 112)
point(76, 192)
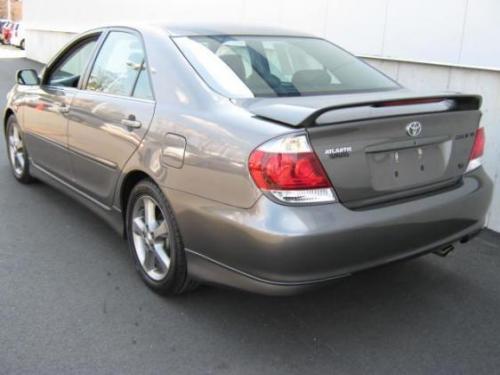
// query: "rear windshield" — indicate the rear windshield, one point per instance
point(248, 66)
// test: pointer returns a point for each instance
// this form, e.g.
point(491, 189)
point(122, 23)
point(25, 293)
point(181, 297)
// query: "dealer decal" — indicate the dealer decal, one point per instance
point(338, 152)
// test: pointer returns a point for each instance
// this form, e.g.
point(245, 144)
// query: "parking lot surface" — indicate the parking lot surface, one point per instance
point(71, 302)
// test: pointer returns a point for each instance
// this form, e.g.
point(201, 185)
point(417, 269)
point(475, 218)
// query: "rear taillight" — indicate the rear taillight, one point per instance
point(477, 150)
point(288, 169)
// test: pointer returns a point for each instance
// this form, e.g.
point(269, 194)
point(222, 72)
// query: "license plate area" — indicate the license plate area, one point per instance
point(408, 167)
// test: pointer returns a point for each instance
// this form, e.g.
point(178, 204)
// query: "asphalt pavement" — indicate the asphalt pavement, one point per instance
point(71, 303)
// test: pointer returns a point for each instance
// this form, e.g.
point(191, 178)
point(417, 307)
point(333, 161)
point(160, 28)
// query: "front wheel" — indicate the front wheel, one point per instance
point(155, 241)
point(17, 152)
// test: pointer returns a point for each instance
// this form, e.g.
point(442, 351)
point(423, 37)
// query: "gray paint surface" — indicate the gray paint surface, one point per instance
point(69, 303)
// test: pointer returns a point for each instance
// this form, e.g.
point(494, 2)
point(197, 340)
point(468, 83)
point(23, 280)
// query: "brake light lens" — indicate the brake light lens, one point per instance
point(395, 103)
point(272, 171)
point(475, 159)
point(288, 169)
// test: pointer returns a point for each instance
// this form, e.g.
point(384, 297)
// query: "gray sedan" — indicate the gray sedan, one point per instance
point(262, 159)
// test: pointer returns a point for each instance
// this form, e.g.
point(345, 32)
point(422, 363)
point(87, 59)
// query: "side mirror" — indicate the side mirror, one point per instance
point(27, 77)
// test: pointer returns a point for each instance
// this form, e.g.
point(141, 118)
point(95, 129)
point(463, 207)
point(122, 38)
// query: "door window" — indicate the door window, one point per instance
point(118, 66)
point(71, 67)
point(142, 89)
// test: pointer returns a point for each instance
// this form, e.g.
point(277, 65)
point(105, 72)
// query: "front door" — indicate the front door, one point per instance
point(110, 116)
point(47, 110)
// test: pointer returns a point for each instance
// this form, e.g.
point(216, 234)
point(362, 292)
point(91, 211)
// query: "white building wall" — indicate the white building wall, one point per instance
point(428, 44)
point(447, 31)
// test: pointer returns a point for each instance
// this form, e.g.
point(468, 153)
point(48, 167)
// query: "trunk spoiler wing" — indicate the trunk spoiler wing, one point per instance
point(304, 117)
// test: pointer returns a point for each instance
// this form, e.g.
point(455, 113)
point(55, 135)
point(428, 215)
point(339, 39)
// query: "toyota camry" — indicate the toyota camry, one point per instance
point(258, 158)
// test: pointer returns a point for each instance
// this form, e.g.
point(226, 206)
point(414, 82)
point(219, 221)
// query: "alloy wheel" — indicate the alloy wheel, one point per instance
point(16, 150)
point(150, 234)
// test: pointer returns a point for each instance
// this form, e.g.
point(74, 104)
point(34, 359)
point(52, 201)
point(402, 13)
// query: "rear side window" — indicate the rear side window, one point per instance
point(119, 67)
point(142, 89)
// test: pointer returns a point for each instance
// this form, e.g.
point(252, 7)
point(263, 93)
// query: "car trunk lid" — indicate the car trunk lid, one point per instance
point(376, 150)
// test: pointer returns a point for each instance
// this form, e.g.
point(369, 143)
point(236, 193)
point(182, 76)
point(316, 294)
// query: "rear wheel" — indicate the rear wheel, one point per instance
point(22, 44)
point(155, 241)
point(17, 152)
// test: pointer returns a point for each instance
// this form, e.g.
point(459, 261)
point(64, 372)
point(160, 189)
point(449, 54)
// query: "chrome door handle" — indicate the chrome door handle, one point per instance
point(131, 123)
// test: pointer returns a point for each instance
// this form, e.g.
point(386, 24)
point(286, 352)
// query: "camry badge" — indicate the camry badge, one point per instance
point(414, 129)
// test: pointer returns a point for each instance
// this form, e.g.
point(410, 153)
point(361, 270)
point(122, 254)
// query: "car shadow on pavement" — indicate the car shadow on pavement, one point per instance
point(392, 310)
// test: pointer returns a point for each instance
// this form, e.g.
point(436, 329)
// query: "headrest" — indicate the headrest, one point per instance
point(311, 78)
point(235, 62)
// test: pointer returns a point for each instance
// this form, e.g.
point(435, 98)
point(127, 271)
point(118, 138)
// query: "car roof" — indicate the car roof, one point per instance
point(193, 29)
point(188, 29)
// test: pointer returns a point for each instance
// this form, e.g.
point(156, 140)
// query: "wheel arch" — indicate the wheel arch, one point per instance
point(8, 112)
point(128, 182)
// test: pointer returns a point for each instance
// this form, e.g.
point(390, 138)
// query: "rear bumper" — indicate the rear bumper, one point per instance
point(276, 249)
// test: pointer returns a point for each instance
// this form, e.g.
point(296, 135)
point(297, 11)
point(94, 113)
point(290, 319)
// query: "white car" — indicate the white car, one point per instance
point(18, 36)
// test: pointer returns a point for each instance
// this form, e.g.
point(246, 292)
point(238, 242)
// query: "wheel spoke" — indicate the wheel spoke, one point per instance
point(139, 227)
point(149, 260)
point(20, 159)
point(140, 250)
point(162, 256)
point(15, 134)
point(150, 213)
point(161, 231)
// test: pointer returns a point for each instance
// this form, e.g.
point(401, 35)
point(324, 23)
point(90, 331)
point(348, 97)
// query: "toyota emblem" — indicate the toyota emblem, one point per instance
point(414, 129)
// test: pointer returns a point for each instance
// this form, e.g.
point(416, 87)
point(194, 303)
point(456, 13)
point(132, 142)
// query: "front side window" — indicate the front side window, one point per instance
point(119, 65)
point(247, 66)
point(68, 71)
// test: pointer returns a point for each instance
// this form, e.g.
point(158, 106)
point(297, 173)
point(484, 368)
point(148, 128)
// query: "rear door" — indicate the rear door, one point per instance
point(393, 154)
point(111, 115)
point(47, 107)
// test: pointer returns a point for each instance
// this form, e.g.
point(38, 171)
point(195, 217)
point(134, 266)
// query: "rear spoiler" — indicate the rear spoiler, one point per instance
point(454, 103)
point(304, 117)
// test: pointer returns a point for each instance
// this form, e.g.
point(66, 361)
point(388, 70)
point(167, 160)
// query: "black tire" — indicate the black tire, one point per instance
point(176, 281)
point(22, 175)
point(22, 45)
